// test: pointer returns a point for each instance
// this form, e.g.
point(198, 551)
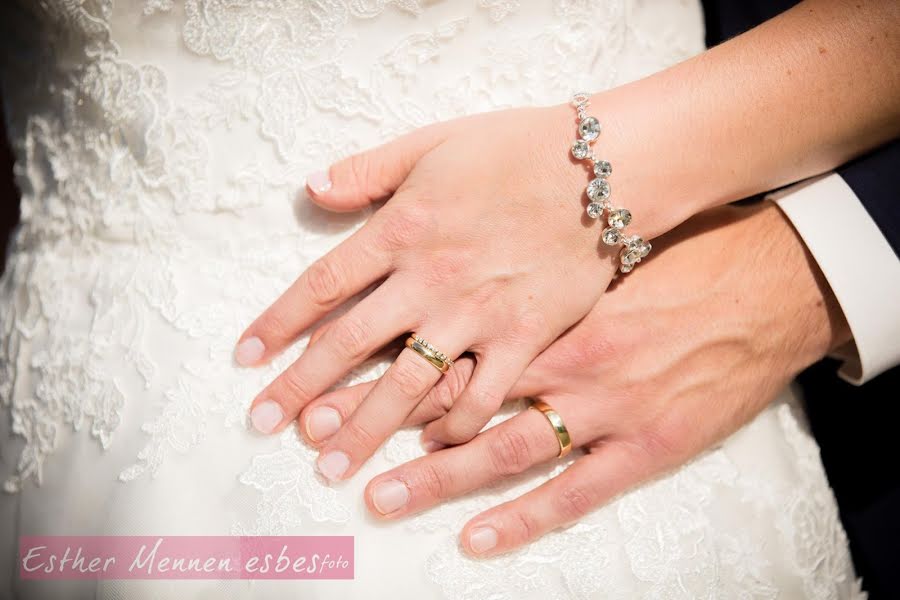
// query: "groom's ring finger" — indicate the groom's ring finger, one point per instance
point(502, 451)
point(559, 427)
point(384, 410)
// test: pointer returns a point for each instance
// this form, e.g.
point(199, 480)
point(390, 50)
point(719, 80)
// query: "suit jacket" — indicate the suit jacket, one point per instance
point(853, 425)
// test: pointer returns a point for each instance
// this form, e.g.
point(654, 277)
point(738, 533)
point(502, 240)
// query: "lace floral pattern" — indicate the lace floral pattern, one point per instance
point(150, 236)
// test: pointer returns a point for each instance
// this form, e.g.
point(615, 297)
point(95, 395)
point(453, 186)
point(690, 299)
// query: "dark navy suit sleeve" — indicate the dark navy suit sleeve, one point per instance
point(875, 179)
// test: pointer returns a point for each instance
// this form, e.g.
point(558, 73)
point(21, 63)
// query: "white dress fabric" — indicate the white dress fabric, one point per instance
point(161, 152)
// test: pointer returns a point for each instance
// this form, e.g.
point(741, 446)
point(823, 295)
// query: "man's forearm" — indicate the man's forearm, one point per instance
point(794, 97)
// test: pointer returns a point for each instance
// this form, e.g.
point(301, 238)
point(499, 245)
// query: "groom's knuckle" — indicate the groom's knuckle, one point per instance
point(442, 396)
point(486, 401)
point(601, 343)
point(662, 439)
point(324, 282)
point(455, 381)
point(509, 452)
point(458, 428)
point(360, 436)
point(435, 480)
point(296, 385)
point(524, 526)
point(573, 503)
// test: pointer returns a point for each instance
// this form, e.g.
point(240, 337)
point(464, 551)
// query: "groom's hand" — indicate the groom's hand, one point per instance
point(679, 355)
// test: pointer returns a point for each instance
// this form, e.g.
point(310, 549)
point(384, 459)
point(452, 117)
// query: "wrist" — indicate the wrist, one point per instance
point(814, 322)
point(617, 237)
point(761, 287)
point(656, 175)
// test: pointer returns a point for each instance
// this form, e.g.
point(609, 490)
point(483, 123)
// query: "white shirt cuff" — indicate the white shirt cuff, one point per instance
point(859, 264)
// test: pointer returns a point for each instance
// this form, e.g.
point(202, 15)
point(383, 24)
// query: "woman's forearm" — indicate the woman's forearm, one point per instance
point(792, 98)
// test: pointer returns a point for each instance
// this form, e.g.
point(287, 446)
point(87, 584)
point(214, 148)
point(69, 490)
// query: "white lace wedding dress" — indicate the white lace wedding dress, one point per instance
point(161, 151)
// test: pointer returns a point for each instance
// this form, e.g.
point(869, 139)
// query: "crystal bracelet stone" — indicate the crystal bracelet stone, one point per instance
point(634, 248)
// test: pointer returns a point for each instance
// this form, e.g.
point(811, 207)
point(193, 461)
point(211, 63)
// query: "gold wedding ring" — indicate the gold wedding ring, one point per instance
point(559, 428)
point(435, 357)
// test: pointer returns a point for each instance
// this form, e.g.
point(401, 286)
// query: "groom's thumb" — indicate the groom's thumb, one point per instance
point(358, 180)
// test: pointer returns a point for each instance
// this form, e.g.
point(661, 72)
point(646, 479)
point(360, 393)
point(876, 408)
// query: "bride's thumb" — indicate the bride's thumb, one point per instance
point(373, 175)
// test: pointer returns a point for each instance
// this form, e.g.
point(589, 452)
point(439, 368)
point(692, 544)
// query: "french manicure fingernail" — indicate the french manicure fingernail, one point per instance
point(249, 351)
point(482, 539)
point(389, 496)
point(266, 416)
point(319, 182)
point(322, 423)
point(333, 465)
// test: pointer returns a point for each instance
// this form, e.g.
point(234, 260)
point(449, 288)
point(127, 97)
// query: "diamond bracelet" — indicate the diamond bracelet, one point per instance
point(634, 247)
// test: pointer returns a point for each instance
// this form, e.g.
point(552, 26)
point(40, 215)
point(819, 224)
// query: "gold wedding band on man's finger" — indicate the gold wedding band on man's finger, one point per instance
point(559, 428)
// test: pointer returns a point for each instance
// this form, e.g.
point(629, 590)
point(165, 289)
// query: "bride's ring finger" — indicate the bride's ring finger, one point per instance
point(435, 357)
point(384, 410)
point(322, 417)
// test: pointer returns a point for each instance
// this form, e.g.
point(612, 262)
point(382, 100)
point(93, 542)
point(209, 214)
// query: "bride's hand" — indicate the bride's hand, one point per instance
point(484, 246)
point(481, 244)
point(685, 351)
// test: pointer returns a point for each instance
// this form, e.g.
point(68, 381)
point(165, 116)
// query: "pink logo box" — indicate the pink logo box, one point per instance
point(186, 557)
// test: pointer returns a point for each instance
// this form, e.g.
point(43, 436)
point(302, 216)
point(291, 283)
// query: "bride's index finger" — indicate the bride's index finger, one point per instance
point(348, 269)
point(352, 183)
